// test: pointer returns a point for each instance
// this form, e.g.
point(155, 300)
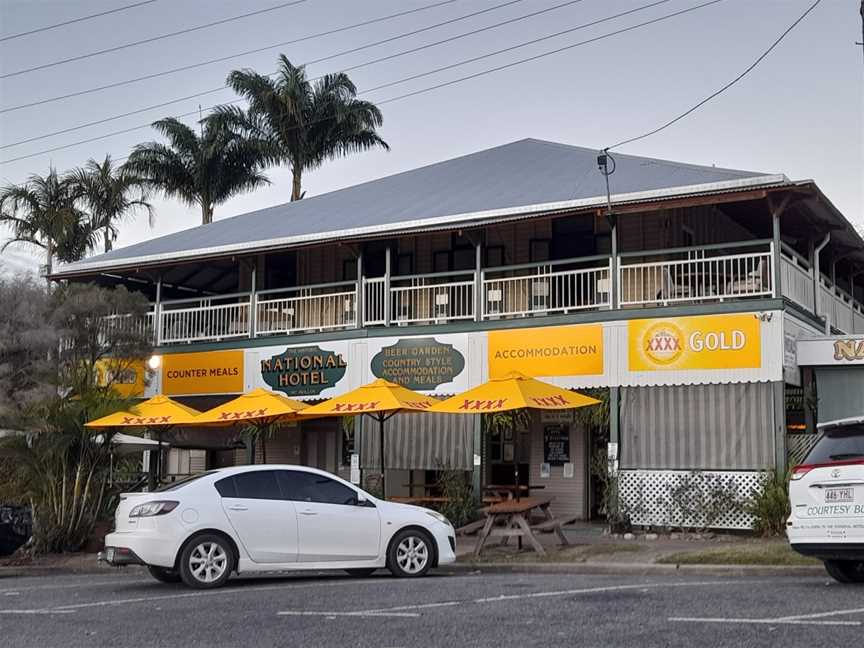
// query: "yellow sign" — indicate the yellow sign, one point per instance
point(702, 342)
point(214, 372)
point(549, 351)
point(127, 377)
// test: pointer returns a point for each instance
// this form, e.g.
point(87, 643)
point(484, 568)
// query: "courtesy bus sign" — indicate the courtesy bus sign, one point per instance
point(700, 342)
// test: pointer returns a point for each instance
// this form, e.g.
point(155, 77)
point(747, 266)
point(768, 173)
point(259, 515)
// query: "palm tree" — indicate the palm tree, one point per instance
point(111, 192)
point(45, 212)
point(204, 170)
point(299, 122)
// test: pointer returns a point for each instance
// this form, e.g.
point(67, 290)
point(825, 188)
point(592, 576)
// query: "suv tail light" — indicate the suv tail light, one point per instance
point(799, 471)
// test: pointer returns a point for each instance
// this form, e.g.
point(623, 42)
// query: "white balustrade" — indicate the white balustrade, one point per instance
point(697, 278)
point(324, 307)
point(374, 303)
point(430, 299)
point(546, 289)
point(796, 282)
point(201, 320)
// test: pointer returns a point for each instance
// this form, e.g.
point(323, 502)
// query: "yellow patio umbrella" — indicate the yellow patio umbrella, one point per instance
point(157, 413)
point(258, 408)
point(380, 400)
point(513, 391)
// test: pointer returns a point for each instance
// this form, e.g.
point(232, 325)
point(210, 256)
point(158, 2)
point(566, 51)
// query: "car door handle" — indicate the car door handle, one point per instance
point(237, 507)
point(308, 513)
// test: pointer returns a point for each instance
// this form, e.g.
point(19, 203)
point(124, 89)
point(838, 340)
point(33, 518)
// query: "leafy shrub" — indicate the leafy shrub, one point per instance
point(769, 505)
point(460, 506)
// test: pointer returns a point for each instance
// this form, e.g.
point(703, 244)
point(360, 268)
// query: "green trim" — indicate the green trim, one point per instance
point(589, 317)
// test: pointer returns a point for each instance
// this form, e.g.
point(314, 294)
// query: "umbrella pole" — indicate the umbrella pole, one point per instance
point(381, 451)
point(515, 453)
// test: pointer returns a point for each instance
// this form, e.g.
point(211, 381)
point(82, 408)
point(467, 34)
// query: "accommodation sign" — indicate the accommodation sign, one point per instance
point(303, 371)
point(418, 363)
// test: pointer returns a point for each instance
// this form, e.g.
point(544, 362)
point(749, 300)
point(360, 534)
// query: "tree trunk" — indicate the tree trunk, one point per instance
point(206, 214)
point(297, 174)
point(49, 261)
point(107, 239)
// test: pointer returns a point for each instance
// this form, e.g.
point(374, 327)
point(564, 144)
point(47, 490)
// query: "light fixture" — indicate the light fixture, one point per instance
point(154, 362)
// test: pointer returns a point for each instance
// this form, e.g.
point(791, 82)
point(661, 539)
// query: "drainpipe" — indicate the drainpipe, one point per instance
point(253, 301)
point(157, 312)
point(478, 280)
point(776, 246)
point(817, 280)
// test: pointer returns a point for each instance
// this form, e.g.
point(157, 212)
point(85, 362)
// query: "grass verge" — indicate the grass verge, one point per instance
point(774, 553)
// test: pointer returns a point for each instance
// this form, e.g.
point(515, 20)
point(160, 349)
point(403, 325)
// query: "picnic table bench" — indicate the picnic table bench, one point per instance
point(510, 518)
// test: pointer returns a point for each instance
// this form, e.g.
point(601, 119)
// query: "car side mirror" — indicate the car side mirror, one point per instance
point(361, 499)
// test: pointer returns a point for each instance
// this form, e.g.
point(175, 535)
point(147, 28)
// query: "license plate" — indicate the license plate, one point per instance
point(839, 495)
point(109, 554)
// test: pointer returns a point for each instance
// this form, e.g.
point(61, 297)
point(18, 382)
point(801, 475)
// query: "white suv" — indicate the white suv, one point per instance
point(272, 518)
point(827, 497)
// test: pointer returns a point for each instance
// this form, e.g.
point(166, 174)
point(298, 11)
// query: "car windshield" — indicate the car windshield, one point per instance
point(838, 444)
point(182, 482)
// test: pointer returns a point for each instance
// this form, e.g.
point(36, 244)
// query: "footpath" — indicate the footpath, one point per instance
point(591, 551)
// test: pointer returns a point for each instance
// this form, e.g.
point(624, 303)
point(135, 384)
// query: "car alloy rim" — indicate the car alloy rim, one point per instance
point(208, 562)
point(412, 554)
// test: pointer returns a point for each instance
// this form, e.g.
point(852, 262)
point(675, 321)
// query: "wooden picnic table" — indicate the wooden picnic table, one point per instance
point(510, 519)
point(509, 491)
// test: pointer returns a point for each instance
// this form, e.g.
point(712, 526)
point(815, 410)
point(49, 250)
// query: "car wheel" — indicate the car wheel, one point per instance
point(845, 571)
point(207, 562)
point(361, 572)
point(164, 575)
point(410, 553)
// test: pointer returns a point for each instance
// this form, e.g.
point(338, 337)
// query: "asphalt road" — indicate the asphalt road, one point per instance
point(121, 609)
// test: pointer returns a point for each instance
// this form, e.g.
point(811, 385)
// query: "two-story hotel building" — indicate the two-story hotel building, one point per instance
point(685, 302)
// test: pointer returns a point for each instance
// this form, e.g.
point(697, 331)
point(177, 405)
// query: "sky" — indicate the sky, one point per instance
point(800, 112)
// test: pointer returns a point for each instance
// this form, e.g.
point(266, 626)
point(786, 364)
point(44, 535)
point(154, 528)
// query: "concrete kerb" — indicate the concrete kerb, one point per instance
point(633, 569)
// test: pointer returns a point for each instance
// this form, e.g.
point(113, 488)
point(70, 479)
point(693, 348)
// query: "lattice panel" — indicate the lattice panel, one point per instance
point(680, 498)
point(798, 445)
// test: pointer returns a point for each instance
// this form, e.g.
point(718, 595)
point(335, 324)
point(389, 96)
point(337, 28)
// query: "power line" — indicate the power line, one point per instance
point(416, 92)
point(75, 20)
point(378, 60)
point(150, 40)
point(223, 88)
point(192, 66)
point(725, 87)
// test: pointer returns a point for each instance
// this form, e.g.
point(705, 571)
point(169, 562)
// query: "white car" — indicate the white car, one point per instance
point(273, 518)
point(826, 493)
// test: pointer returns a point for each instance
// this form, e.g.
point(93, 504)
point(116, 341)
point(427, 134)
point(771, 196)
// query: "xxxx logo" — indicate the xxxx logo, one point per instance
point(145, 420)
point(228, 416)
point(550, 401)
point(421, 405)
point(469, 404)
point(663, 343)
point(355, 407)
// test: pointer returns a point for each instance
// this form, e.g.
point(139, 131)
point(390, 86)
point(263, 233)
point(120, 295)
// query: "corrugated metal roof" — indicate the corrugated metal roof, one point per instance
point(522, 176)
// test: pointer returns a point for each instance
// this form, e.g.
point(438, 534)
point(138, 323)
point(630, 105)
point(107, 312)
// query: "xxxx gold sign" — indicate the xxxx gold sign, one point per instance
point(211, 372)
point(127, 377)
point(548, 351)
point(702, 342)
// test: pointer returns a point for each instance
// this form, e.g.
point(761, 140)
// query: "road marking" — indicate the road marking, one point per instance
point(362, 613)
point(511, 597)
point(820, 615)
point(118, 580)
point(228, 591)
point(777, 621)
point(42, 611)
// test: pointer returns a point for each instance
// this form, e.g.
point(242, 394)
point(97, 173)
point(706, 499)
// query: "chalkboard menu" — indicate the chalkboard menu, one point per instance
point(556, 445)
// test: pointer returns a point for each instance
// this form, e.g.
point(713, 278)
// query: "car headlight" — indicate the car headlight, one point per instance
point(439, 517)
point(149, 509)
